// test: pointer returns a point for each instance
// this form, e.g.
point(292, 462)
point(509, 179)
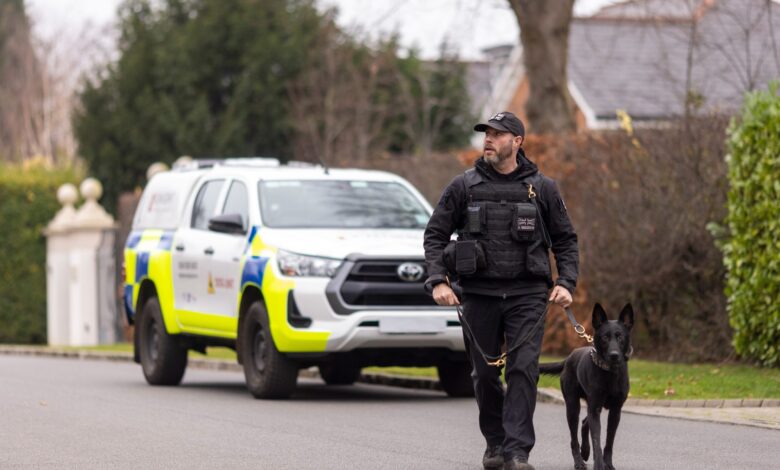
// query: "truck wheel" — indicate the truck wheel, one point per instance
point(339, 373)
point(163, 360)
point(455, 378)
point(268, 373)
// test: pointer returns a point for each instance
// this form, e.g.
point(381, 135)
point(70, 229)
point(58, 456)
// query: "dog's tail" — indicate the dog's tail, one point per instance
point(552, 368)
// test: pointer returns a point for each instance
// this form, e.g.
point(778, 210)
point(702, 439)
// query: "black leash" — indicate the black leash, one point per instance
point(499, 361)
point(577, 327)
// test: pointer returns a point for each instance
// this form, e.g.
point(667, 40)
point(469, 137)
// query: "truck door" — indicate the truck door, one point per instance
point(226, 260)
point(193, 246)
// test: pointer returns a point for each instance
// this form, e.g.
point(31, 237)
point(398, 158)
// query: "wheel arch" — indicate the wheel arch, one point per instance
point(252, 293)
point(146, 291)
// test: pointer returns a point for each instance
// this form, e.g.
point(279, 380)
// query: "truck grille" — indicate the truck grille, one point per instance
point(377, 283)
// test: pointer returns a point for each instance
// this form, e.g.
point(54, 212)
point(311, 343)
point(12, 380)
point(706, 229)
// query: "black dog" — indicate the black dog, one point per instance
point(599, 374)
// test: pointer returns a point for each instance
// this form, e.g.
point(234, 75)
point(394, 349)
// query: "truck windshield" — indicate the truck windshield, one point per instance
point(340, 204)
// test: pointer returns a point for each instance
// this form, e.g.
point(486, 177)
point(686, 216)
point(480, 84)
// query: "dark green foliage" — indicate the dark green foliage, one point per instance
point(27, 204)
point(209, 78)
point(752, 252)
point(194, 77)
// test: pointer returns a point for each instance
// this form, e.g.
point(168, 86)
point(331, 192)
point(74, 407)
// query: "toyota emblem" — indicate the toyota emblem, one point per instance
point(410, 272)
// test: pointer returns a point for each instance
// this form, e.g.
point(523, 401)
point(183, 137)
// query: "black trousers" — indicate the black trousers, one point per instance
point(506, 419)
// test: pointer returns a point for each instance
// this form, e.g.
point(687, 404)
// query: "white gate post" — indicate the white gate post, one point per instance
point(92, 296)
point(58, 268)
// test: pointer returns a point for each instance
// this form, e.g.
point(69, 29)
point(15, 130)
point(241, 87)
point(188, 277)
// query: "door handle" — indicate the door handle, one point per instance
point(179, 247)
point(209, 251)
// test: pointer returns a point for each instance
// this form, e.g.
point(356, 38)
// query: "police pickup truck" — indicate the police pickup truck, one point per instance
point(293, 266)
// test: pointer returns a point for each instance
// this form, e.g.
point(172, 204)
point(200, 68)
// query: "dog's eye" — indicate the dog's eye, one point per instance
point(618, 336)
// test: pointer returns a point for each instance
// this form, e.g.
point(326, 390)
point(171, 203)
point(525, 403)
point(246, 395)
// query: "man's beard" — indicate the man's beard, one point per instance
point(501, 155)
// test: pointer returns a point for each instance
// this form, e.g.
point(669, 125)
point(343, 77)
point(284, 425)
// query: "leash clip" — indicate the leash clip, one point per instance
point(580, 330)
point(531, 192)
point(500, 362)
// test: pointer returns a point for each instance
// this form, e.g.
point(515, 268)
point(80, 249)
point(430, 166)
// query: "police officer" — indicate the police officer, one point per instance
point(507, 215)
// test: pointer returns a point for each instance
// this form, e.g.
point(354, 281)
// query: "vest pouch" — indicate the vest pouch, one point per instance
point(448, 256)
point(537, 259)
point(524, 220)
point(469, 257)
point(475, 219)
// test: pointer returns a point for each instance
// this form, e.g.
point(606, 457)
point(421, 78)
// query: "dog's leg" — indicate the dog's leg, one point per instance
point(585, 452)
point(573, 418)
point(594, 422)
point(612, 424)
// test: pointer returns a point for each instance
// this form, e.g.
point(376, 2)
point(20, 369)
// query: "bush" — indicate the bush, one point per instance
point(752, 252)
point(27, 203)
point(641, 202)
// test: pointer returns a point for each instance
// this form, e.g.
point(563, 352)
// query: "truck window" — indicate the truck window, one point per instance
point(237, 202)
point(340, 204)
point(206, 204)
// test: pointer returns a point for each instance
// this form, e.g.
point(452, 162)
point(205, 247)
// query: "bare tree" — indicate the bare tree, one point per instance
point(21, 87)
point(337, 115)
point(38, 80)
point(544, 34)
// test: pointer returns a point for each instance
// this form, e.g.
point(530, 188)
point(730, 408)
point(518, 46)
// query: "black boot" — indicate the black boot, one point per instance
point(493, 458)
point(517, 462)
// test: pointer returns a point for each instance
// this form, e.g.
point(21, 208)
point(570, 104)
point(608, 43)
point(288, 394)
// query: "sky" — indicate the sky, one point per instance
point(467, 25)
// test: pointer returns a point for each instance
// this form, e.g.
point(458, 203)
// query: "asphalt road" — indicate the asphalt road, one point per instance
point(64, 413)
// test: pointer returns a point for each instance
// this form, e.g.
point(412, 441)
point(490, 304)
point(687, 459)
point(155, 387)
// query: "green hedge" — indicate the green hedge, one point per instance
point(28, 201)
point(752, 252)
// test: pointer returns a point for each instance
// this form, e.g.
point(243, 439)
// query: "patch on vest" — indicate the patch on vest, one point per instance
point(526, 224)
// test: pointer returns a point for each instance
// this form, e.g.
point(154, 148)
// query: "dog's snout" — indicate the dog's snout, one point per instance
point(614, 356)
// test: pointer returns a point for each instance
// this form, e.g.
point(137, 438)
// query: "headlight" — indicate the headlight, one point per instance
point(293, 264)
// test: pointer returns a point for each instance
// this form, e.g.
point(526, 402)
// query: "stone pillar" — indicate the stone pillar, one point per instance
point(92, 297)
point(58, 268)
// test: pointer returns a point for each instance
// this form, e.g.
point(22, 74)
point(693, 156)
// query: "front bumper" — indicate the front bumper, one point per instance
point(361, 327)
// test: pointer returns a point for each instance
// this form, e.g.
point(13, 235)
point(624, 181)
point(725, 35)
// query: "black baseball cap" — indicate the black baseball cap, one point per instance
point(503, 121)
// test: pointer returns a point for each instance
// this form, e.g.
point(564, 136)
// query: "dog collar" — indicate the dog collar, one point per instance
point(600, 363)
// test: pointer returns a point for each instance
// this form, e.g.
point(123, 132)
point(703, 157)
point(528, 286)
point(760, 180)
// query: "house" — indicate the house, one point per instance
point(655, 59)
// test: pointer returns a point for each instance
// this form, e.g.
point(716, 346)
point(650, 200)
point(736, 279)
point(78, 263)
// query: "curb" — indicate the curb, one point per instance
point(552, 395)
point(544, 395)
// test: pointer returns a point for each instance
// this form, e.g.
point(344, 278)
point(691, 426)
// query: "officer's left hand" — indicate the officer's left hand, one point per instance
point(561, 296)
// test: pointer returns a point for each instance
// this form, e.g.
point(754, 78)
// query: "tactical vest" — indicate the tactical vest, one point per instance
point(504, 226)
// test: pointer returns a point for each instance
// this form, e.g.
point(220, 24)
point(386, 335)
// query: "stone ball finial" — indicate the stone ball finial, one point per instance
point(154, 168)
point(183, 162)
point(91, 189)
point(67, 194)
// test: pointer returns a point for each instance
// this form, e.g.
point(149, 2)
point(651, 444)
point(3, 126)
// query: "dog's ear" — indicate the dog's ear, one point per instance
point(627, 316)
point(599, 316)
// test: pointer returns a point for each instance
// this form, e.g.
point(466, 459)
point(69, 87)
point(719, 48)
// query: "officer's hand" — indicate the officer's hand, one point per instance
point(444, 295)
point(561, 296)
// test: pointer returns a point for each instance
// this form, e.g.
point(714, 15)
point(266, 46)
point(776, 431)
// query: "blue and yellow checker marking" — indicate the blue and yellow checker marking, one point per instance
point(141, 247)
point(253, 264)
point(257, 271)
point(148, 256)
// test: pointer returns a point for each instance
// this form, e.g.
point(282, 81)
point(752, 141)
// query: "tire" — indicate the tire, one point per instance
point(339, 372)
point(455, 378)
point(268, 373)
point(163, 360)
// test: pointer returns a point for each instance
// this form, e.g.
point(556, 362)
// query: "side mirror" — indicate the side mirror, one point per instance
point(227, 223)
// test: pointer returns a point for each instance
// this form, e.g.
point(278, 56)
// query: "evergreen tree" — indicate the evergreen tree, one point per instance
point(194, 77)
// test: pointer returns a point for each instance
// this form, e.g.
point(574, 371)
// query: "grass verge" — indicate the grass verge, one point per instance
point(661, 380)
point(649, 379)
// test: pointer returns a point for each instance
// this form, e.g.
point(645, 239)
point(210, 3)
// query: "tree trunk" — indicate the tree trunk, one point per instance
point(544, 33)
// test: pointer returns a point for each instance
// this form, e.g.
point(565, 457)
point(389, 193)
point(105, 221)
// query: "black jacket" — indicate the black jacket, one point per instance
point(448, 217)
